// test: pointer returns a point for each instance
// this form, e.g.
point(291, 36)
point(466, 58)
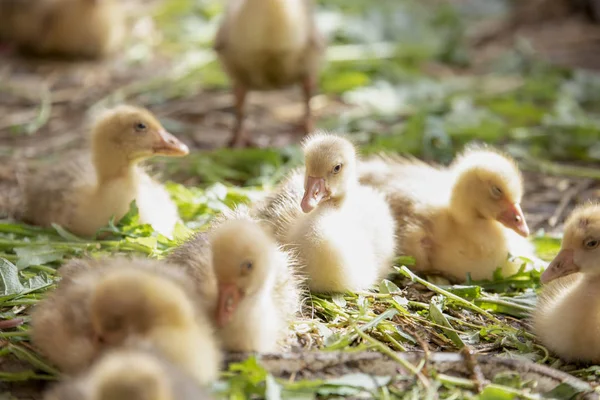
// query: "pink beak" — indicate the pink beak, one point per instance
point(562, 265)
point(514, 219)
point(229, 298)
point(314, 193)
point(169, 145)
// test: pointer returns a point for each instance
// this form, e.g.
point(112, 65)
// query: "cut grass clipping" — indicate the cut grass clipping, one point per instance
point(405, 313)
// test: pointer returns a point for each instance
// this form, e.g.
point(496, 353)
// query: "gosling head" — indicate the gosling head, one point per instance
point(330, 163)
point(132, 302)
point(129, 375)
point(580, 250)
point(135, 133)
point(242, 257)
point(489, 185)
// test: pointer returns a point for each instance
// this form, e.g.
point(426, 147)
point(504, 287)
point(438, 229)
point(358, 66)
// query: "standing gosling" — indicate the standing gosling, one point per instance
point(67, 28)
point(269, 44)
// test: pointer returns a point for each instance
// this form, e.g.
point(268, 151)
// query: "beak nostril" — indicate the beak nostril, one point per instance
point(517, 218)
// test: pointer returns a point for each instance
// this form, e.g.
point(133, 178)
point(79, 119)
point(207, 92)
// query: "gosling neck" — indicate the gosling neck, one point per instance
point(112, 163)
point(464, 214)
point(342, 198)
point(462, 207)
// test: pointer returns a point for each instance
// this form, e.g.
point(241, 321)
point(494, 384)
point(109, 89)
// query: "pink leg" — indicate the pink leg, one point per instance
point(239, 133)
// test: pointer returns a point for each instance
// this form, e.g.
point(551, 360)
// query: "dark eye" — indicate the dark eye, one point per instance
point(591, 243)
point(337, 168)
point(140, 126)
point(246, 267)
point(496, 191)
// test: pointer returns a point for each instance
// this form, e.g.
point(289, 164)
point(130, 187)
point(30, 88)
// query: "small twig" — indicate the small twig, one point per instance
point(386, 350)
point(473, 367)
point(423, 343)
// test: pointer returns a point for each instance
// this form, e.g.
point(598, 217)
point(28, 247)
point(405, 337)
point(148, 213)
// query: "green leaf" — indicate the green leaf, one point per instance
point(435, 312)
point(250, 369)
point(66, 234)
point(406, 336)
point(387, 287)
point(496, 393)
point(400, 300)
point(565, 391)
point(339, 300)
point(523, 279)
point(343, 81)
point(505, 306)
point(547, 247)
point(9, 278)
point(508, 378)
point(37, 255)
point(181, 233)
point(467, 292)
point(149, 242)
point(24, 354)
point(249, 379)
point(132, 217)
point(38, 281)
point(323, 330)
point(405, 260)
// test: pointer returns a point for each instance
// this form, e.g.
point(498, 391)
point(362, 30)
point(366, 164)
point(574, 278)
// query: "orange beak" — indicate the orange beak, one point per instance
point(314, 193)
point(562, 265)
point(169, 145)
point(512, 217)
point(229, 298)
